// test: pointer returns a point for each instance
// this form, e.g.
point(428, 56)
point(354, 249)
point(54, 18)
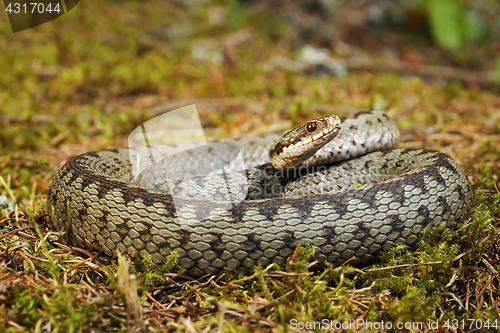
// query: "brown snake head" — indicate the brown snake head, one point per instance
point(302, 142)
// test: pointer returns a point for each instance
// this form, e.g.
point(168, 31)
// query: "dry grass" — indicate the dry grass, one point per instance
point(115, 65)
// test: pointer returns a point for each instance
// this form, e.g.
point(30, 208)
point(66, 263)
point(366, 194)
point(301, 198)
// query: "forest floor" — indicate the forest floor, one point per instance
point(117, 64)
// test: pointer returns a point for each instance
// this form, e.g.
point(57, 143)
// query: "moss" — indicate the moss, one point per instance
point(480, 234)
point(94, 81)
point(150, 274)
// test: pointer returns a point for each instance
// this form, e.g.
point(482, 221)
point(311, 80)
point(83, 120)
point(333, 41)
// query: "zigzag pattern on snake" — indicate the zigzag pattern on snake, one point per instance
point(361, 203)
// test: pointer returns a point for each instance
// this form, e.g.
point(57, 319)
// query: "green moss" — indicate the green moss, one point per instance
point(150, 274)
point(112, 62)
point(480, 233)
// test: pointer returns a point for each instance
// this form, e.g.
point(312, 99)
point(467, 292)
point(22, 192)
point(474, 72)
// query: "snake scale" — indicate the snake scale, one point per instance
point(367, 198)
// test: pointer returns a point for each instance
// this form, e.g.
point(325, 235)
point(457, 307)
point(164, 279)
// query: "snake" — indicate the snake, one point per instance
point(358, 198)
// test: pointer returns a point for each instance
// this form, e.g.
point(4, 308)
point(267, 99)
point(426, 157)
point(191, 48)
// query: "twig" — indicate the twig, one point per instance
point(281, 273)
point(403, 266)
point(486, 286)
point(15, 231)
point(275, 300)
point(237, 314)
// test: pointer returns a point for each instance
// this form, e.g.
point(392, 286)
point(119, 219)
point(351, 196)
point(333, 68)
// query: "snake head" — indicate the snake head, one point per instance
point(302, 142)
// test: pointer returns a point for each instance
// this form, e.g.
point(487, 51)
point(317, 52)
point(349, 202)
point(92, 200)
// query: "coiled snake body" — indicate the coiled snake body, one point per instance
point(360, 204)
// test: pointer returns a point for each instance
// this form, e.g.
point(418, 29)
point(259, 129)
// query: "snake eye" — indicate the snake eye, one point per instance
point(311, 126)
